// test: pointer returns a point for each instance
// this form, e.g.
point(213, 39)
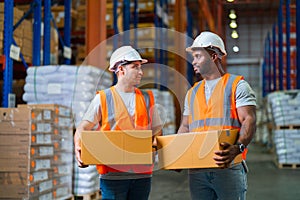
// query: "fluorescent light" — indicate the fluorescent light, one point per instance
point(235, 49)
point(234, 34)
point(232, 14)
point(233, 24)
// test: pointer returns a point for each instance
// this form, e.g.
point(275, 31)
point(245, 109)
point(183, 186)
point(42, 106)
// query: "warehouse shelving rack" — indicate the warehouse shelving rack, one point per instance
point(36, 54)
point(277, 64)
point(159, 21)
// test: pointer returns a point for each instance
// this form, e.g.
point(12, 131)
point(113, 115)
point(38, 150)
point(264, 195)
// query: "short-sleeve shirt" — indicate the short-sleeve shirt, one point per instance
point(244, 95)
point(93, 113)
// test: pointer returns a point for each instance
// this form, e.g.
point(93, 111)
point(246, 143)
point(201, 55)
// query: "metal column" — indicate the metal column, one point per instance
point(8, 38)
point(264, 70)
point(274, 57)
point(36, 54)
point(126, 22)
point(116, 32)
point(67, 28)
point(156, 53)
point(298, 41)
point(190, 69)
point(280, 45)
point(47, 32)
point(269, 64)
point(288, 45)
point(135, 23)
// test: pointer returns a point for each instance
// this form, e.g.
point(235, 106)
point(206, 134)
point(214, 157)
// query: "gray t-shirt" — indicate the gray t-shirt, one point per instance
point(244, 95)
point(93, 114)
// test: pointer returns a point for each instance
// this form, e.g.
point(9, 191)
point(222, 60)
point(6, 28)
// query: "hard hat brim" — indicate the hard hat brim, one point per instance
point(143, 61)
point(189, 49)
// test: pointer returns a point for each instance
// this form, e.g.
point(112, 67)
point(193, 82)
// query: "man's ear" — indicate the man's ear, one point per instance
point(214, 56)
point(121, 68)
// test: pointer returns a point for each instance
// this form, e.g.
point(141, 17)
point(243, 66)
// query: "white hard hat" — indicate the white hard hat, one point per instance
point(122, 55)
point(208, 39)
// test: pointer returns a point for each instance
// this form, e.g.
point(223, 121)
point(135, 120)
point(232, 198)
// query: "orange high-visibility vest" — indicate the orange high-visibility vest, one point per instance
point(116, 117)
point(220, 111)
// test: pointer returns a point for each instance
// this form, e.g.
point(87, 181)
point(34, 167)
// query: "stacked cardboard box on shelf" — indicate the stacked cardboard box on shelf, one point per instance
point(36, 159)
point(284, 109)
point(22, 34)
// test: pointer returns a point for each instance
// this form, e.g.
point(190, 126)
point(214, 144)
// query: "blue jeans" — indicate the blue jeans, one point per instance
point(223, 184)
point(131, 189)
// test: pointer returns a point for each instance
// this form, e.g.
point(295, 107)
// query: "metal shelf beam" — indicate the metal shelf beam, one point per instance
point(298, 41)
point(280, 45)
point(67, 27)
point(288, 44)
point(36, 49)
point(8, 39)
point(47, 32)
point(36, 7)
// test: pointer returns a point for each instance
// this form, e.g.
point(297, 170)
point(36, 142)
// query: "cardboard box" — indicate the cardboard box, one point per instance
point(116, 147)
point(15, 114)
point(59, 110)
point(193, 150)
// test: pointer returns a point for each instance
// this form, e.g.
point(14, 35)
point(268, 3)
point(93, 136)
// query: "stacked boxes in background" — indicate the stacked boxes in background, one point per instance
point(22, 34)
point(75, 87)
point(285, 111)
point(38, 146)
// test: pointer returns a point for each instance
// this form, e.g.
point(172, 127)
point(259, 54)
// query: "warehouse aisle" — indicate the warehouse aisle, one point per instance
point(265, 180)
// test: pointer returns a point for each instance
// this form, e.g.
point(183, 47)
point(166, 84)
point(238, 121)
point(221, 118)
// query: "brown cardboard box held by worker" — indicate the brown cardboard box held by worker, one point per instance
point(193, 150)
point(116, 147)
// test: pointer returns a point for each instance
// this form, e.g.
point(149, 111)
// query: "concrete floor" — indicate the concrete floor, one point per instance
point(265, 180)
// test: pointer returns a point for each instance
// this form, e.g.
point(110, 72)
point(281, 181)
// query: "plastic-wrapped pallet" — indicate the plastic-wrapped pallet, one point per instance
point(166, 109)
point(285, 107)
point(285, 111)
point(72, 86)
point(287, 145)
point(85, 181)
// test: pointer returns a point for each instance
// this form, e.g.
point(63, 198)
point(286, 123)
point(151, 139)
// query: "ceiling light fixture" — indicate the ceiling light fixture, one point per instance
point(235, 49)
point(234, 34)
point(233, 24)
point(230, 1)
point(232, 14)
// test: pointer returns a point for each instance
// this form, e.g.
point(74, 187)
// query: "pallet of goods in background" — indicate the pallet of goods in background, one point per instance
point(37, 152)
point(285, 111)
point(75, 87)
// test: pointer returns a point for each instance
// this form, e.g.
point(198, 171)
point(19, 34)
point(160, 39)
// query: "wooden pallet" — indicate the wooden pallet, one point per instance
point(91, 196)
point(288, 166)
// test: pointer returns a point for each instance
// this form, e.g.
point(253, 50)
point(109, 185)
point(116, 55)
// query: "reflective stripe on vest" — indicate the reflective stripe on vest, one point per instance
point(116, 117)
point(214, 114)
point(219, 112)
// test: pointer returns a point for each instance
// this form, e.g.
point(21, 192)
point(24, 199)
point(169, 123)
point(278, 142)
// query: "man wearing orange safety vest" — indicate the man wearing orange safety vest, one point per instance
point(219, 101)
point(122, 107)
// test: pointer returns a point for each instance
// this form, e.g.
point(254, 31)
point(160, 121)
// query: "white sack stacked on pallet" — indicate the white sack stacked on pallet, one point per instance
point(164, 101)
point(85, 181)
point(287, 145)
point(285, 107)
point(73, 86)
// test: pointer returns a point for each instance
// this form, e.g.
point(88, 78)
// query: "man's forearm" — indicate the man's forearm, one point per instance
point(247, 131)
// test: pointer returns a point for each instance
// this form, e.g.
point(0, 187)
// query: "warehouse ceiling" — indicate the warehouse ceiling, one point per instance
point(245, 8)
point(253, 7)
